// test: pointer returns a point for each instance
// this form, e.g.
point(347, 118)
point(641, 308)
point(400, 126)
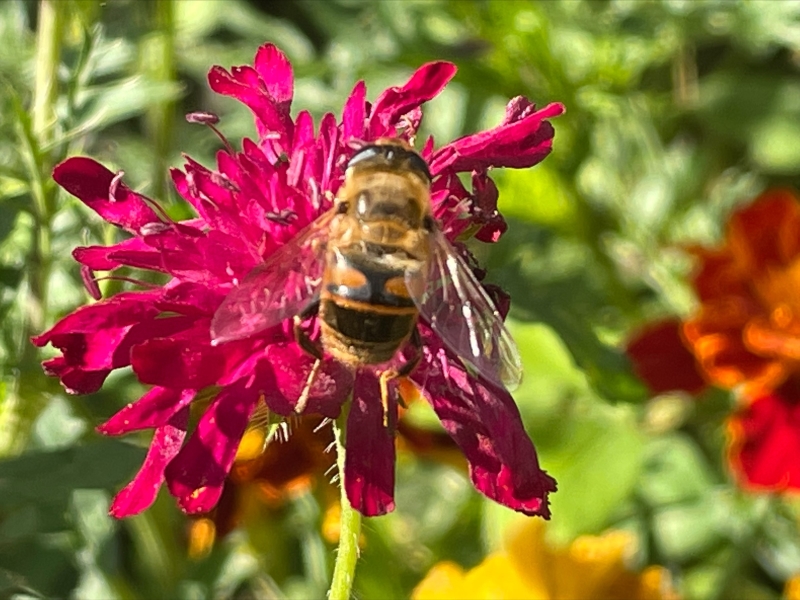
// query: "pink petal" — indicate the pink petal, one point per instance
point(75, 379)
point(190, 299)
point(94, 351)
point(197, 474)
point(291, 367)
point(227, 257)
point(257, 156)
point(312, 163)
point(154, 409)
point(217, 197)
point(160, 327)
point(245, 84)
point(118, 311)
point(211, 259)
point(370, 450)
point(140, 493)
point(102, 258)
point(486, 425)
point(90, 181)
point(424, 84)
point(327, 146)
point(276, 72)
point(354, 113)
point(139, 259)
point(517, 109)
point(110, 348)
point(303, 140)
point(90, 282)
point(187, 360)
point(519, 144)
point(88, 357)
point(451, 203)
point(484, 209)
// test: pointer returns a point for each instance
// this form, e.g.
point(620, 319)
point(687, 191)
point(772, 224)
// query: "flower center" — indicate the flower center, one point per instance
point(777, 332)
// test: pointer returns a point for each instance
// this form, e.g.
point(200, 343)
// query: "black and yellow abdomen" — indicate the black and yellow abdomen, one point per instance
point(365, 309)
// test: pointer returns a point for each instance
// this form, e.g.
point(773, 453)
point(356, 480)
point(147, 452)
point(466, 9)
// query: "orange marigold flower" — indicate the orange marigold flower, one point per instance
point(745, 335)
point(747, 330)
point(592, 567)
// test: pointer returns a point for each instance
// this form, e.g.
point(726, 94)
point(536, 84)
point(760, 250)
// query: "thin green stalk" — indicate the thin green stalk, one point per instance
point(350, 524)
point(36, 128)
point(49, 37)
point(158, 63)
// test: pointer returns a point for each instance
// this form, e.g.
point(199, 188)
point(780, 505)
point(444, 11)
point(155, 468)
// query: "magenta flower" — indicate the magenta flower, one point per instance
point(255, 201)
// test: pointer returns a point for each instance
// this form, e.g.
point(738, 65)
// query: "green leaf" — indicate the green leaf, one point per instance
point(596, 465)
point(675, 471)
point(550, 380)
point(36, 567)
point(775, 146)
point(46, 477)
point(122, 100)
point(537, 196)
point(57, 426)
point(558, 282)
point(689, 530)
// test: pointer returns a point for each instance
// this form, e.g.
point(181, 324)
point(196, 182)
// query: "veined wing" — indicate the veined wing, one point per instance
point(277, 289)
point(461, 313)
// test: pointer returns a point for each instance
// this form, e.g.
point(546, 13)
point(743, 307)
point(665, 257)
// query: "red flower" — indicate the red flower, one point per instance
point(765, 440)
point(744, 336)
point(661, 359)
point(256, 201)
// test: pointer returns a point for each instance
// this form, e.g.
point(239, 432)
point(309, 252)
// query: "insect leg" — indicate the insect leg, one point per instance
point(301, 337)
point(411, 364)
point(403, 371)
point(303, 399)
point(385, 378)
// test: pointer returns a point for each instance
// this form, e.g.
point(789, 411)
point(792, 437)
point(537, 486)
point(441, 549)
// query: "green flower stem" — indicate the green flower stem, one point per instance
point(158, 64)
point(350, 523)
point(36, 129)
point(49, 37)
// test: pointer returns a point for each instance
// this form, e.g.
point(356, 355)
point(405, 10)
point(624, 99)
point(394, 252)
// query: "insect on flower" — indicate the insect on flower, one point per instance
point(357, 253)
point(369, 268)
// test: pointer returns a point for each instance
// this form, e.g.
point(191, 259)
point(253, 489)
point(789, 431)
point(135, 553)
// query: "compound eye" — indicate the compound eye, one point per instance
point(364, 154)
point(416, 163)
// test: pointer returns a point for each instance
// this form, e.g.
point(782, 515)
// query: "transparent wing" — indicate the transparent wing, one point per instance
point(278, 289)
point(460, 311)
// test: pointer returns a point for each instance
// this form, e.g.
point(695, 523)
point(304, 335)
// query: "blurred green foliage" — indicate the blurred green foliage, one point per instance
point(677, 111)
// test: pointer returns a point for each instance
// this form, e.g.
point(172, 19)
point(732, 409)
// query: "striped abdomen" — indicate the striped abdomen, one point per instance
point(365, 310)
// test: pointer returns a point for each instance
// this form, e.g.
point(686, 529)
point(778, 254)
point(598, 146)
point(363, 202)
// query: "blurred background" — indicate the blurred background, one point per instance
point(678, 111)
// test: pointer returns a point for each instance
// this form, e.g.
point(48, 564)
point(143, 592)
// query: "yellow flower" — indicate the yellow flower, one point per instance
point(592, 567)
point(791, 590)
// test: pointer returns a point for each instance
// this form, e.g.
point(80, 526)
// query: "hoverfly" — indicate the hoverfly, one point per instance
point(369, 268)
